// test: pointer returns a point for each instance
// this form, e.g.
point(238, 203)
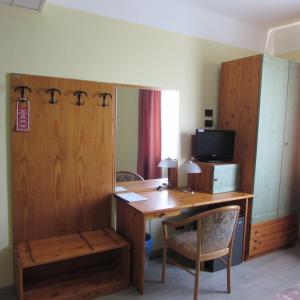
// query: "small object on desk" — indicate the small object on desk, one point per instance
point(187, 190)
point(131, 197)
point(163, 186)
point(120, 189)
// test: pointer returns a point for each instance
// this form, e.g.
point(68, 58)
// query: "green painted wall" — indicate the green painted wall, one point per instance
point(72, 44)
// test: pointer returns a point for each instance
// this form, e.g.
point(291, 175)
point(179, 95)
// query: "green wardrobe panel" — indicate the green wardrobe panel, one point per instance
point(271, 124)
point(289, 197)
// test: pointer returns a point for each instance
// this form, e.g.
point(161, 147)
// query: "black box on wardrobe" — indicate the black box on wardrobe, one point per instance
point(237, 251)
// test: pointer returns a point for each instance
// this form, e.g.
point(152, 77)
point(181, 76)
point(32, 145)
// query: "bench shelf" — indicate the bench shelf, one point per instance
point(76, 266)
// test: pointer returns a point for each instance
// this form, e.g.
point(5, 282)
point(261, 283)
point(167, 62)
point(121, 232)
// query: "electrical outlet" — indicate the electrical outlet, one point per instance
point(208, 123)
point(208, 113)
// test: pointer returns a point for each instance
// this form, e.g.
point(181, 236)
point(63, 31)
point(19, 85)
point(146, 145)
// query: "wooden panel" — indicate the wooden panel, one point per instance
point(63, 169)
point(131, 224)
point(102, 240)
point(173, 177)
point(238, 110)
point(18, 272)
point(76, 285)
point(290, 174)
point(271, 235)
point(55, 249)
point(202, 182)
point(270, 138)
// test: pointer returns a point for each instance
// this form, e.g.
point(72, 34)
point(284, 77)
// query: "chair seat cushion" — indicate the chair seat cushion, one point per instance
point(184, 242)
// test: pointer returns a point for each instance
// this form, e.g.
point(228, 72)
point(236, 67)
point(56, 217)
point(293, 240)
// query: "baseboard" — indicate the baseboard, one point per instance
point(10, 289)
point(272, 235)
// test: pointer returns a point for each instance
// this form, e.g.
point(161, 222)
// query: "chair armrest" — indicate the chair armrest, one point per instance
point(171, 223)
point(181, 222)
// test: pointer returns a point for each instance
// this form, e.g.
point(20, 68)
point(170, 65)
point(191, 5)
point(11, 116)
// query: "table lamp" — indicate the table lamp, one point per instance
point(171, 164)
point(190, 168)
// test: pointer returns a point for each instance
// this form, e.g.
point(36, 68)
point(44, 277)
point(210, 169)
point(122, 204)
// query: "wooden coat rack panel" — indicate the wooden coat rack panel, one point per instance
point(63, 168)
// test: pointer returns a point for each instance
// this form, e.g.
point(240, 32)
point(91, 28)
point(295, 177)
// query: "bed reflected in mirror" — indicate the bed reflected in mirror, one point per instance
point(147, 130)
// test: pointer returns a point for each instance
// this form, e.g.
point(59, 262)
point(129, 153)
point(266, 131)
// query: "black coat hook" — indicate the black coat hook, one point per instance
point(52, 94)
point(22, 89)
point(78, 94)
point(104, 96)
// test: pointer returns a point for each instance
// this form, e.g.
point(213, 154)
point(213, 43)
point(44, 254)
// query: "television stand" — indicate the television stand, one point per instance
point(216, 177)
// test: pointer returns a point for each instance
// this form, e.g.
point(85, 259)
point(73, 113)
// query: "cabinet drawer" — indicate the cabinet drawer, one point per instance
point(162, 214)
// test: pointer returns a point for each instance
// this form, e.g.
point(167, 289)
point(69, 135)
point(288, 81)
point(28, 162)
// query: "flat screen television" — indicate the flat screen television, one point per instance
point(214, 145)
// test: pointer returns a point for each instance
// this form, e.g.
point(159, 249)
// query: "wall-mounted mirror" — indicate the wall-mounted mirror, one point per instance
point(147, 129)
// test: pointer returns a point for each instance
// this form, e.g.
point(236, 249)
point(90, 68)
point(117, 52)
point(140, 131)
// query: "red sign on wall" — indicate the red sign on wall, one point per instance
point(23, 116)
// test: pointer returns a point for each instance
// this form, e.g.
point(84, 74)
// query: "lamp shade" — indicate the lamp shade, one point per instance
point(168, 163)
point(191, 167)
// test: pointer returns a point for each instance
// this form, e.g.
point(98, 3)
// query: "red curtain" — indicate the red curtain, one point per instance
point(149, 140)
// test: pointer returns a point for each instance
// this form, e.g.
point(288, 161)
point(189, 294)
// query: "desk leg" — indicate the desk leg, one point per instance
point(131, 224)
point(246, 206)
point(247, 228)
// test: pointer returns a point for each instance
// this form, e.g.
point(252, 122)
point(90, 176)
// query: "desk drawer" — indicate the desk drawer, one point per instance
point(162, 214)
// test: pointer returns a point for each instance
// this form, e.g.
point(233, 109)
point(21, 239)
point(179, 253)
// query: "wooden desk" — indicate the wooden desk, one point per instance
point(131, 218)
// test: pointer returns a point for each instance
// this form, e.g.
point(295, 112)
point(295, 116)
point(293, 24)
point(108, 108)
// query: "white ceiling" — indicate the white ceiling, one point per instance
point(31, 4)
point(262, 13)
point(266, 13)
point(240, 23)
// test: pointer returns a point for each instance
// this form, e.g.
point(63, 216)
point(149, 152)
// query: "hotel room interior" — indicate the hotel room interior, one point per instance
point(149, 149)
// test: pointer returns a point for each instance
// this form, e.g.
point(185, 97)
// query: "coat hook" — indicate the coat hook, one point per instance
point(104, 96)
point(22, 89)
point(78, 94)
point(52, 94)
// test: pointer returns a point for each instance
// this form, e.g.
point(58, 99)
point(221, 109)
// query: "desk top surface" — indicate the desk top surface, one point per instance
point(168, 200)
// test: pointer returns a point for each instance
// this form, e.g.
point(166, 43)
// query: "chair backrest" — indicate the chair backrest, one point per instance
point(216, 228)
point(127, 176)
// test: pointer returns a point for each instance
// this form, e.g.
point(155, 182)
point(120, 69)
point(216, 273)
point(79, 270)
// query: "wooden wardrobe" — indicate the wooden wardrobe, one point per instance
point(259, 98)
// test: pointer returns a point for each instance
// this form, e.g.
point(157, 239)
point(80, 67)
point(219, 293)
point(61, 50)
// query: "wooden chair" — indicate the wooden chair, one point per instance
point(212, 239)
point(127, 176)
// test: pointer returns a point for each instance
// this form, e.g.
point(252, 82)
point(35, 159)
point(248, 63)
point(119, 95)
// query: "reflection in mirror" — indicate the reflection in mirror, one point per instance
point(147, 129)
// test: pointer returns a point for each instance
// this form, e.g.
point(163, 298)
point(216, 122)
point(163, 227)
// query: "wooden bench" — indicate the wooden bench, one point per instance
point(83, 265)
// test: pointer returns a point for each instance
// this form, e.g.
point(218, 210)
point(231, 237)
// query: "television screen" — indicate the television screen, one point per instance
point(214, 145)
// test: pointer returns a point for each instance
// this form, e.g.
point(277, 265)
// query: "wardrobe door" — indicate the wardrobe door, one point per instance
point(238, 111)
point(270, 138)
point(290, 170)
